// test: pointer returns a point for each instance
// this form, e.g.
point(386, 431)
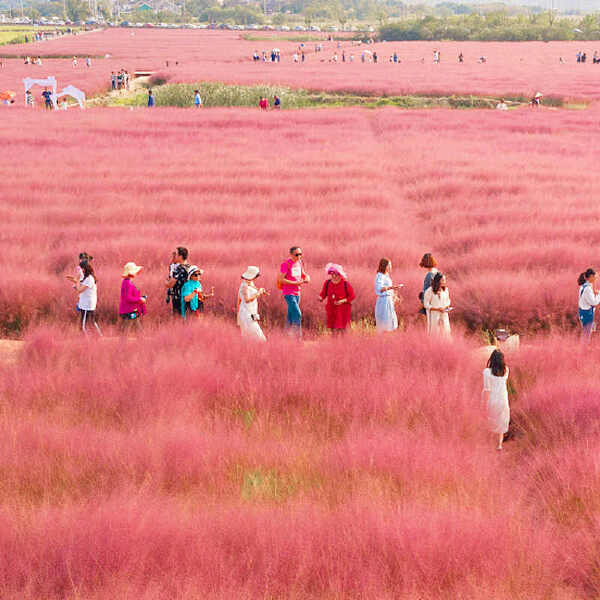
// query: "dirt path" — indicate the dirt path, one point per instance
point(10, 351)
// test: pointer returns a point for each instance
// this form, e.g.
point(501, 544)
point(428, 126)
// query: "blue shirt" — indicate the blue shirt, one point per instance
point(150, 100)
point(188, 288)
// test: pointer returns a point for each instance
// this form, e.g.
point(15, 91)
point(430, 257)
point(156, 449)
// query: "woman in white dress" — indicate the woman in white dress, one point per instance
point(495, 394)
point(248, 318)
point(385, 312)
point(436, 301)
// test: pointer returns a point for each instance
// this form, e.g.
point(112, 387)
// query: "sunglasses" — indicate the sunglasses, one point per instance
point(195, 275)
point(298, 254)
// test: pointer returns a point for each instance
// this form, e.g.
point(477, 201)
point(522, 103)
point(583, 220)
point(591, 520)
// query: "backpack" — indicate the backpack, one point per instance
point(327, 287)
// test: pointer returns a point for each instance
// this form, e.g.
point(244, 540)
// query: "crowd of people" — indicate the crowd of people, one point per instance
point(120, 80)
point(187, 296)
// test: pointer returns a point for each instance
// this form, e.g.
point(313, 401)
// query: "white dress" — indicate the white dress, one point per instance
point(248, 326)
point(438, 323)
point(498, 409)
point(385, 312)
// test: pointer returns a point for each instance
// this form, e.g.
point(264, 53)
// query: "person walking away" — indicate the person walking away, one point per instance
point(495, 395)
point(197, 99)
point(589, 298)
point(436, 301)
point(385, 311)
point(248, 317)
point(339, 295)
point(192, 295)
point(429, 263)
point(113, 81)
point(179, 277)
point(375, 57)
point(461, 58)
point(150, 99)
point(86, 286)
point(291, 278)
point(276, 102)
point(132, 306)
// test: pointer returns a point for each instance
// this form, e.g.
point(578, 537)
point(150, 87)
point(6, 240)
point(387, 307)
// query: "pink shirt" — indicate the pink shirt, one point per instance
point(293, 272)
point(130, 298)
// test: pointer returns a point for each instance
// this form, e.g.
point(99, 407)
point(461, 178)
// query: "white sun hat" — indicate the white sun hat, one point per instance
point(194, 269)
point(131, 269)
point(251, 273)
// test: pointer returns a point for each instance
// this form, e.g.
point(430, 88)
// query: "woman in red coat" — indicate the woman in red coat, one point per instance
point(339, 295)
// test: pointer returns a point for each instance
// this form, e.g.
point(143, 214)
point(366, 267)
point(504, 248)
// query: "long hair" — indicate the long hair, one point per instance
point(87, 269)
point(496, 363)
point(436, 283)
point(383, 265)
point(583, 276)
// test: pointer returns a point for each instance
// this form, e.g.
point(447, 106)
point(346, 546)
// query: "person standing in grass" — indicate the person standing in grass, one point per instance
point(589, 298)
point(47, 99)
point(495, 395)
point(192, 295)
point(339, 295)
point(263, 103)
point(132, 305)
point(86, 286)
point(429, 263)
point(150, 99)
point(291, 278)
point(385, 310)
point(180, 275)
point(197, 99)
point(248, 317)
point(437, 304)
point(276, 102)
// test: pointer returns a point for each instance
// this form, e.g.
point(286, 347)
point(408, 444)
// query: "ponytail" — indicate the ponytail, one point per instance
point(583, 276)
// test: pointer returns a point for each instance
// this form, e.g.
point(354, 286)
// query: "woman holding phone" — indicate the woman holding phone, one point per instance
point(248, 317)
point(385, 290)
point(436, 301)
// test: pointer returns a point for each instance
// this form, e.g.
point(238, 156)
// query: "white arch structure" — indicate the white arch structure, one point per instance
point(74, 92)
point(50, 82)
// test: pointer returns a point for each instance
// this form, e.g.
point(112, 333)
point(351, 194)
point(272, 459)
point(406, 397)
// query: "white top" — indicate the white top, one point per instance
point(494, 384)
point(89, 297)
point(587, 298)
point(439, 300)
point(501, 106)
point(383, 280)
point(247, 308)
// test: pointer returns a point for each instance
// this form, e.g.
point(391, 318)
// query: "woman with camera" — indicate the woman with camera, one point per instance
point(248, 317)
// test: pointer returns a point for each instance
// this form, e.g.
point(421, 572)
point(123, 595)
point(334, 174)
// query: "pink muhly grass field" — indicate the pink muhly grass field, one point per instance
point(181, 465)
point(488, 193)
point(512, 68)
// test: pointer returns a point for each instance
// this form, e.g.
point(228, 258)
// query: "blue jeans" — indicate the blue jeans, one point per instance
point(294, 315)
point(586, 318)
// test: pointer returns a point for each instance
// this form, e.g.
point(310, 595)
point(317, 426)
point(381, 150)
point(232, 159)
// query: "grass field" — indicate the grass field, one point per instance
point(187, 463)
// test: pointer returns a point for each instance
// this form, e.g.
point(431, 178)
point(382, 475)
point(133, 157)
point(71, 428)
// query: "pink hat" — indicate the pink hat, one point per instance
point(334, 268)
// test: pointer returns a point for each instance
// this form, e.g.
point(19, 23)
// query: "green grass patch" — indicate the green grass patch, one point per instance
point(220, 94)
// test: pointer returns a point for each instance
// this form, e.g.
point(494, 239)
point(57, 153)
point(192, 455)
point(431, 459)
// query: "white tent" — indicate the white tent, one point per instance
point(48, 82)
point(76, 93)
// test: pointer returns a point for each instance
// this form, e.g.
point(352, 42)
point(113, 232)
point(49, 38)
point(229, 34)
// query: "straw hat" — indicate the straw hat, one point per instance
point(131, 269)
point(539, 95)
point(251, 273)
